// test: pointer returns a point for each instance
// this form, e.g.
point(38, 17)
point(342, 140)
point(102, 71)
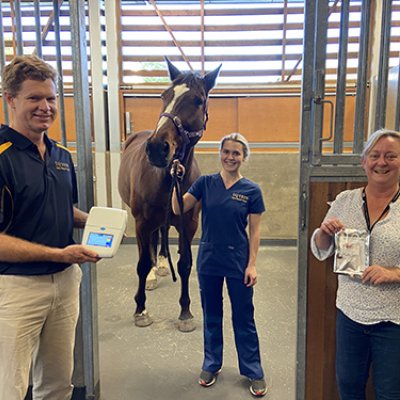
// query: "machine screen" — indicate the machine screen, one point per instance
point(100, 239)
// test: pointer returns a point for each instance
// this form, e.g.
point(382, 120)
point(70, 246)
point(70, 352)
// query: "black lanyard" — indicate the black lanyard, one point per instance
point(366, 213)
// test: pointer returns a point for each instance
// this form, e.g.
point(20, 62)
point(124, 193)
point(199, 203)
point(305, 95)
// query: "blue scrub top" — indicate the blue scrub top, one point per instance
point(36, 197)
point(224, 246)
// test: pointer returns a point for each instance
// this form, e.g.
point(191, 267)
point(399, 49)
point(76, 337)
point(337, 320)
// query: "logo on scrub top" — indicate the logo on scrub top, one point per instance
point(240, 197)
point(61, 166)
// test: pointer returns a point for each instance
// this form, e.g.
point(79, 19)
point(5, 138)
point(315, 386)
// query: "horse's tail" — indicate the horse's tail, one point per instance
point(165, 245)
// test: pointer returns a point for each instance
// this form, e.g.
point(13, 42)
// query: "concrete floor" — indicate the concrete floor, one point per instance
point(161, 363)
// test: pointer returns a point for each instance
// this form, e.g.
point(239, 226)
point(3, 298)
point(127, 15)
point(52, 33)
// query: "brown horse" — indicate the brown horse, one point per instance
point(145, 180)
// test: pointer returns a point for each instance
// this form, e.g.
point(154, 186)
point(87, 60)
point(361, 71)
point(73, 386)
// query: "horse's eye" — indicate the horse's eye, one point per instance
point(198, 101)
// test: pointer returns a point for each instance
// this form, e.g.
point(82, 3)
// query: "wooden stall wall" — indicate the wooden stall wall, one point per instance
point(269, 119)
point(261, 119)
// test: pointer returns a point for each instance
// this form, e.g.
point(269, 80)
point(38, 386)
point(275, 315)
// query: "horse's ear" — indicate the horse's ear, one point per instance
point(172, 70)
point(211, 77)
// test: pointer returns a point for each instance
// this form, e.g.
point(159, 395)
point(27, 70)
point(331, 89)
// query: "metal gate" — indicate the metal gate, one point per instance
point(330, 163)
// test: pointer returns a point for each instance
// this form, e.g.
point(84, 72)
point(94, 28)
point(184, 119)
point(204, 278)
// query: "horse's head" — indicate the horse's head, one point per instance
point(183, 117)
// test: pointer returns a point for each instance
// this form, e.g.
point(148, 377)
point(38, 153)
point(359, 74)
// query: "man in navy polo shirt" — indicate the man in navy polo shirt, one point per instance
point(39, 277)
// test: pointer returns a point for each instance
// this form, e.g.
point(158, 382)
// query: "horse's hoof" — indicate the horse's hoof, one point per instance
point(143, 319)
point(162, 266)
point(162, 271)
point(151, 281)
point(151, 284)
point(186, 325)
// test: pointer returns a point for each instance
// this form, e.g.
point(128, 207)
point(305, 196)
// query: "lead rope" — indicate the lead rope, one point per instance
point(165, 237)
point(175, 184)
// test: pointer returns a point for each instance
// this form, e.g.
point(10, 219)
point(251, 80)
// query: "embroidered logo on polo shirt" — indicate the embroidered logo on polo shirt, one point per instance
point(240, 197)
point(61, 166)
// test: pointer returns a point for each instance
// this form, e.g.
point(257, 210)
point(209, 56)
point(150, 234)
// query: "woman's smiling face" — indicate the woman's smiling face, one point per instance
point(382, 163)
point(232, 156)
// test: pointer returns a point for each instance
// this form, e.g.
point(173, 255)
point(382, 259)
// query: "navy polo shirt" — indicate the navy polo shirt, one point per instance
point(224, 245)
point(36, 197)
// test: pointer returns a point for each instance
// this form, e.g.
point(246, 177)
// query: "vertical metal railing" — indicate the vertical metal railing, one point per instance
point(56, 12)
point(382, 84)
point(341, 78)
point(18, 27)
point(334, 136)
point(321, 28)
point(362, 78)
point(305, 158)
point(15, 12)
point(397, 116)
point(38, 30)
point(88, 328)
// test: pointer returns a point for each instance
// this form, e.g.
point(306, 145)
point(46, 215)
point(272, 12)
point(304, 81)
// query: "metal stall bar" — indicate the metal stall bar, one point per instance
point(337, 158)
point(114, 100)
point(87, 327)
point(362, 76)
point(305, 146)
point(18, 25)
point(383, 73)
point(60, 83)
point(397, 117)
point(3, 61)
point(321, 28)
point(96, 8)
point(341, 78)
point(38, 49)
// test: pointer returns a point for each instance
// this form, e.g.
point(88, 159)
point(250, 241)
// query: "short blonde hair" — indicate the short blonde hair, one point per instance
point(377, 135)
point(22, 68)
point(237, 137)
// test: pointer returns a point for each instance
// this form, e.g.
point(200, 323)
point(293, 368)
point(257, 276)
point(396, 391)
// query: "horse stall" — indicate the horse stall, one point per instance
point(306, 124)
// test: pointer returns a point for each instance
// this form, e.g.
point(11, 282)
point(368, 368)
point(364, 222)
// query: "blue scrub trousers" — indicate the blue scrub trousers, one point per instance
point(360, 346)
point(244, 327)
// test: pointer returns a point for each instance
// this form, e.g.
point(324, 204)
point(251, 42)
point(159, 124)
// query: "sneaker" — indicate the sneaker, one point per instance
point(258, 387)
point(208, 378)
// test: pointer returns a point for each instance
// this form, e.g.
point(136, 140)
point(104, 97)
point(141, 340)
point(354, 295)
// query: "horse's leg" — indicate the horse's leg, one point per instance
point(141, 317)
point(162, 259)
point(151, 281)
point(185, 322)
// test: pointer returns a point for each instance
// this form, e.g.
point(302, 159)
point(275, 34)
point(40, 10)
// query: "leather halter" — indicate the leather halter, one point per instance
point(190, 138)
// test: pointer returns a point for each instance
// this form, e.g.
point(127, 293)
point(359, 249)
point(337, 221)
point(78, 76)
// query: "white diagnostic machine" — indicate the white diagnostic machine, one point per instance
point(104, 230)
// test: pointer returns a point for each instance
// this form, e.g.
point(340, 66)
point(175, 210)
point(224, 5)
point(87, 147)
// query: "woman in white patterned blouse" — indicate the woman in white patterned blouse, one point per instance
point(368, 316)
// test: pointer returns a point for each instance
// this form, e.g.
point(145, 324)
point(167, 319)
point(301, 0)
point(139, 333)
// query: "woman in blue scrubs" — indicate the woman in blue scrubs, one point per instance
point(229, 202)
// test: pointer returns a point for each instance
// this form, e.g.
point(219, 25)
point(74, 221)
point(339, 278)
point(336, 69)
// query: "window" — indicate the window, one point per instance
point(259, 43)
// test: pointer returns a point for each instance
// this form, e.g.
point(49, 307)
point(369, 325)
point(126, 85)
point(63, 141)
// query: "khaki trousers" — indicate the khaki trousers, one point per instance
point(38, 316)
